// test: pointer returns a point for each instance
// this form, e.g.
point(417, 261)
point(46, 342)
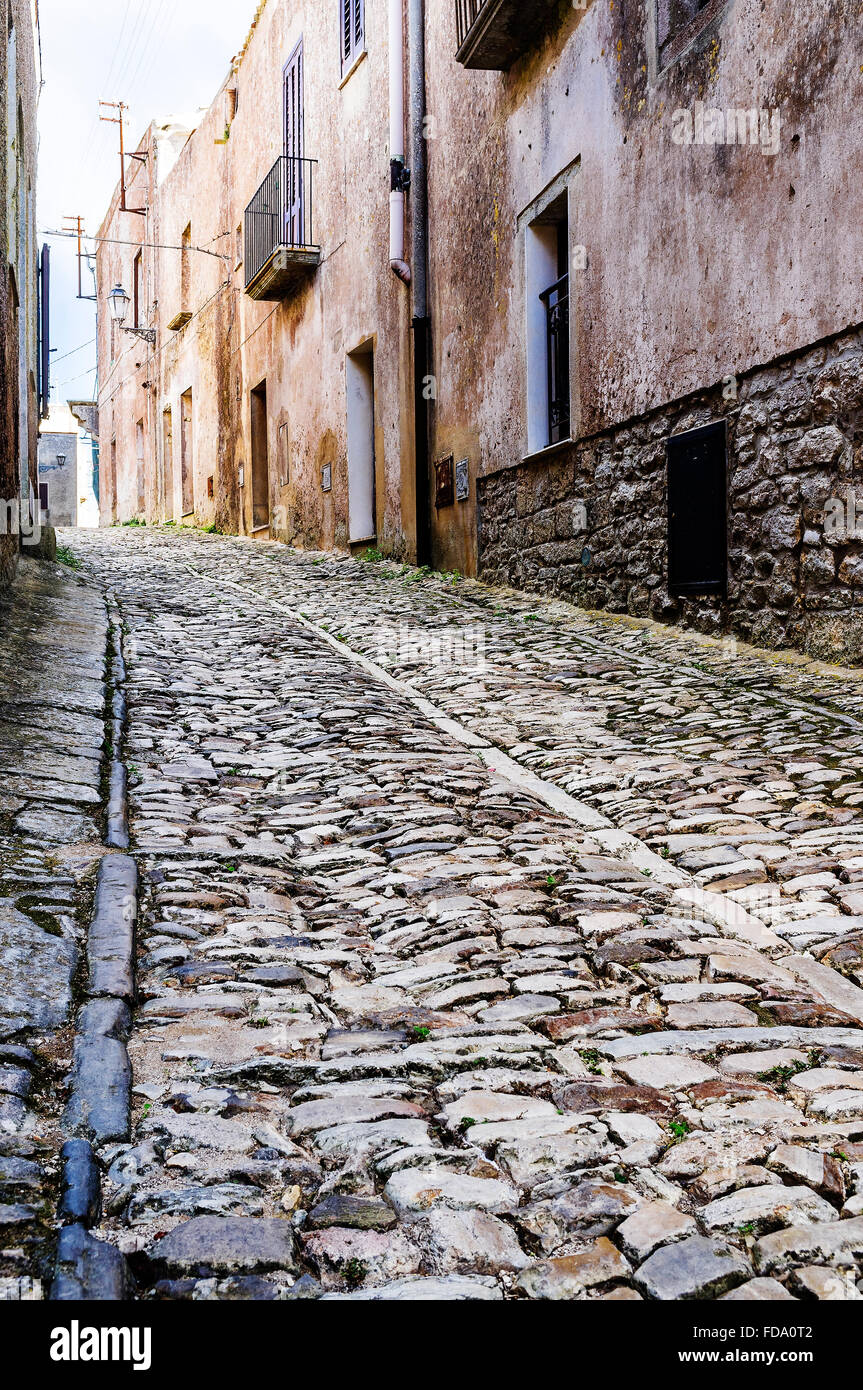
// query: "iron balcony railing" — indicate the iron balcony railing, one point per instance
point(467, 13)
point(556, 301)
point(281, 214)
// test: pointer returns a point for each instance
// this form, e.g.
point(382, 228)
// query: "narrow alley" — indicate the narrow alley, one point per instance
point(485, 949)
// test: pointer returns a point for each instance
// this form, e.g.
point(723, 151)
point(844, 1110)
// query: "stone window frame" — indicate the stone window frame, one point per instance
point(564, 183)
point(665, 52)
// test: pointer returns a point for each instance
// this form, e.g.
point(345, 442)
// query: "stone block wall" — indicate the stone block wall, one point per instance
point(589, 522)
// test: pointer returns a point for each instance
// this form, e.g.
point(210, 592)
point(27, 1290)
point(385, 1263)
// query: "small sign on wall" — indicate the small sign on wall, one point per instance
point(327, 477)
point(462, 480)
point(444, 493)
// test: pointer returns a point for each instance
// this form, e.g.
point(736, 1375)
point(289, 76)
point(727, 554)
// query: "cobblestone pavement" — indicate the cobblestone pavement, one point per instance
point(52, 711)
point(526, 966)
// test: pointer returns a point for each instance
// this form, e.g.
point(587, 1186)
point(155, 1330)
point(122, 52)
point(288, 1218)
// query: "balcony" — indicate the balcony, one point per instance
point(280, 250)
point(493, 33)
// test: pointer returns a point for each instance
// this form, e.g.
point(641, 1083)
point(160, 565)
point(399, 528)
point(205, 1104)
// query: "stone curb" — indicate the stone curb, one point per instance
point(88, 1270)
point(110, 943)
point(81, 1202)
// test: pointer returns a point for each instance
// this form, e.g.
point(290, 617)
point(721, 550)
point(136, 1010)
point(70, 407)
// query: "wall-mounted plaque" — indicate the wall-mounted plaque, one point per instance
point(444, 492)
point(463, 480)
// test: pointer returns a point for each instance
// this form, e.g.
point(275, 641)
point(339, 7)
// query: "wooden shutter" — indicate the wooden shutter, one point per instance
point(353, 27)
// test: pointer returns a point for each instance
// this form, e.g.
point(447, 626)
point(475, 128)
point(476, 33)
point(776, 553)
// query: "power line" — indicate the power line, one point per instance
point(150, 47)
point(95, 129)
point(55, 360)
point(118, 45)
point(146, 245)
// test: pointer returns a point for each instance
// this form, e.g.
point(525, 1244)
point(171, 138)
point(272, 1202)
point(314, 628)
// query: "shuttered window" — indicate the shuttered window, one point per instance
point(353, 25)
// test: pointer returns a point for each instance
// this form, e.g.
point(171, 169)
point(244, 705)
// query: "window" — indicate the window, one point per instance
point(548, 326)
point(697, 511)
point(353, 26)
point(678, 22)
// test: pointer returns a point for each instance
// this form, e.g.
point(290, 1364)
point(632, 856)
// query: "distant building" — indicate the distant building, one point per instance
point(19, 284)
point(66, 496)
point(620, 358)
point(86, 415)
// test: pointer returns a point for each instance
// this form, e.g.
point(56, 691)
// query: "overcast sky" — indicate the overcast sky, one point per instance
point(158, 56)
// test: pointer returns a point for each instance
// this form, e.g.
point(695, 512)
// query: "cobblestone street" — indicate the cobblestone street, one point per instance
point(485, 948)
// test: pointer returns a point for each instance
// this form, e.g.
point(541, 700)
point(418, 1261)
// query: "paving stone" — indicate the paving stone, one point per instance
point(827, 1285)
point(655, 1224)
point(482, 1106)
point(592, 1208)
point(316, 1115)
point(570, 1275)
point(759, 1291)
point(671, 1073)
point(35, 974)
point(460, 1242)
point(342, 1255)
point(819, 1171)
point(763, 1208)
point(414, 1191)
point(360, 1213)
point(226, 1245)
point(694, 1268)
point(454, 1288)
point(836, 1243)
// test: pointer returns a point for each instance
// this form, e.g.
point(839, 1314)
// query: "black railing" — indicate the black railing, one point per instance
point(556, 301)
point(467, 13)
point(281, 214)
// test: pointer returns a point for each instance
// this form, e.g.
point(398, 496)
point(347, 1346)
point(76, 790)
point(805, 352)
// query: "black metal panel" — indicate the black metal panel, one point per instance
point(556, 301)
point(45, 332)
point(698, 511)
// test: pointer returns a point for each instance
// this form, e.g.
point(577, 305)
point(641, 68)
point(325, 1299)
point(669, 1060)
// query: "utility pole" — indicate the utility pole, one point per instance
point(78, 229)
point(120, 107)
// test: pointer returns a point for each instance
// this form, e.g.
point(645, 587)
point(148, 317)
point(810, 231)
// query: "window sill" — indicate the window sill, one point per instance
point(349, 72)
point(538, 455)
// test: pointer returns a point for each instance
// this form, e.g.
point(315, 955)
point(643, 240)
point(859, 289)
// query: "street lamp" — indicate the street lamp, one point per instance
point(61, 460)
point(118, 301)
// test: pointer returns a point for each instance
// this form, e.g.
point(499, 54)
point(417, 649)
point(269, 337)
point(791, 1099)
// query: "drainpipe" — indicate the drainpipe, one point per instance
point(399, 177)
point(419, 255)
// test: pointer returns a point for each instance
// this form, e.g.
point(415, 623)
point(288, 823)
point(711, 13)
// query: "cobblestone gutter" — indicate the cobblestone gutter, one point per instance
point(98, 1108)
point(52, 705)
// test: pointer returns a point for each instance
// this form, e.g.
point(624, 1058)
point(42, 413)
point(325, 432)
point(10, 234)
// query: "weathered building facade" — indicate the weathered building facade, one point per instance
point(282, 354)
point(19, 284)
point(701, 161)
point(638, 283)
